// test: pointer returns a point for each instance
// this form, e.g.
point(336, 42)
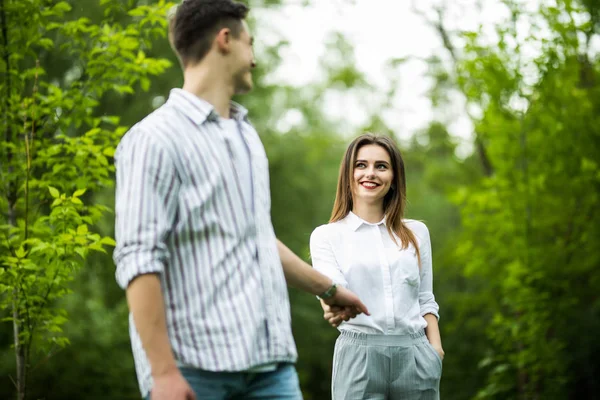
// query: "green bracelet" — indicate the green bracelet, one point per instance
point(328, 293)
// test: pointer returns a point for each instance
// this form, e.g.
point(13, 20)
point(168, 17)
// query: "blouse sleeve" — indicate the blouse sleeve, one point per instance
point(426, 297)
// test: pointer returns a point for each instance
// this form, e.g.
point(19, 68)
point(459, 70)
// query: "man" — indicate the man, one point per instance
point(196, 251)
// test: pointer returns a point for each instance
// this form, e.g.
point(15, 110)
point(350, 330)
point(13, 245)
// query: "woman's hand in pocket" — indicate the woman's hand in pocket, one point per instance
point(439, 350)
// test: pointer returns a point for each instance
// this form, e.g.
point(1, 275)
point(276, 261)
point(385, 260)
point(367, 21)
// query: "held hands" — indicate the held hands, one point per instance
point(336, 314)
point(171, 385)
point(346, 299)
point(343, 306)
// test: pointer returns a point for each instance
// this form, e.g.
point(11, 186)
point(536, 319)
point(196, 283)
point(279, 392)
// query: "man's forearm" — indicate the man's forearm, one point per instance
point(146, 303)
point(299, 274)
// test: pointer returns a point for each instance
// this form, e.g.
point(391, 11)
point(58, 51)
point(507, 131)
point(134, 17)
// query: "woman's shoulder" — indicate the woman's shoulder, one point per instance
point(417, 227)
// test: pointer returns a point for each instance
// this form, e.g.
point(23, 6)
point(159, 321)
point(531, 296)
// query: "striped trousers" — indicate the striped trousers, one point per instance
point(385, 367)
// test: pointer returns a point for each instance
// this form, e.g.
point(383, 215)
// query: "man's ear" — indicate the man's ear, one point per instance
point(223, 40)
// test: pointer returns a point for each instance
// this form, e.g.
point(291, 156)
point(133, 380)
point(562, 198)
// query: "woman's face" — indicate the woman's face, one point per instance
point(373, 175)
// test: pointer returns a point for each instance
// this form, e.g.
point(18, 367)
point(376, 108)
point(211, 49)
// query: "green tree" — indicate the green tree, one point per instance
point(433, 174)
point(55, 151)
point(531, 224)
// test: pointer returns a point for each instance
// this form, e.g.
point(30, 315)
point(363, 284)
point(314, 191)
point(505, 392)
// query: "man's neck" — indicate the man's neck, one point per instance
point(208, 85)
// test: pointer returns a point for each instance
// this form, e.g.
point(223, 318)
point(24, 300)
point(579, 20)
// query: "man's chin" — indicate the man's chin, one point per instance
point(244, 87)
point(243, 90)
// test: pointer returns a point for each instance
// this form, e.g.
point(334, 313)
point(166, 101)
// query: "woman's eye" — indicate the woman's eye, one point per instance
point(381, 166)
point(360, 165)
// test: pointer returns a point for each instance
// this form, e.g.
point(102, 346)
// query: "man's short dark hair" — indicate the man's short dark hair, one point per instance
point(196, 22)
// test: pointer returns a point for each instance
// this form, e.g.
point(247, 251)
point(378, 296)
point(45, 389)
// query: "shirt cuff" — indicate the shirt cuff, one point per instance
point(430, 310)
point(128, 271)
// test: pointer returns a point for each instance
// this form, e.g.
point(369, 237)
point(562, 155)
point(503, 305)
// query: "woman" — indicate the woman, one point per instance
point(396, 352)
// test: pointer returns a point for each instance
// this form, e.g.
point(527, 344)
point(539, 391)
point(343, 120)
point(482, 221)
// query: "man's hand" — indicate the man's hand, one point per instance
point(146, 303)
point(345, 298)
point(171, 386)
point(335, 314)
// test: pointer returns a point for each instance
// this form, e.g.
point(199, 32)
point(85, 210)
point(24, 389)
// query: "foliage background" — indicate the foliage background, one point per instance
point(515, 225)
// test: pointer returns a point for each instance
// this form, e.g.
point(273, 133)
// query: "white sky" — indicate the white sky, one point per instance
point(379, 30)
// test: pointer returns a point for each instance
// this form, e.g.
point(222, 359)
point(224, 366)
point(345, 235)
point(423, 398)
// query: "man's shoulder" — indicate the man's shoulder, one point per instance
point(156, 127)
point(159, 119)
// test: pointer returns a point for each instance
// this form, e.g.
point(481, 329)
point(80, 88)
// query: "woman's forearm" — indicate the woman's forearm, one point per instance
point(433, 330)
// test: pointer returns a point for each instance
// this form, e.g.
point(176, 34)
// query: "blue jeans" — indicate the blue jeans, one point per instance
point(279, 384)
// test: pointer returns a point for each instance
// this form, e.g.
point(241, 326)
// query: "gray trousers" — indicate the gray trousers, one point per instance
point(390, 367)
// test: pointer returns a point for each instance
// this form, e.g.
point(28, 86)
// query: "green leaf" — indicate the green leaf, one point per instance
point(20, 252)
point(108, 241)
point(54, 192)
point(66, 237)
point(82, 229)
point(39, 247)
point(93, 132)
point(75, 200)
point(112, 119)
point(81, 251)
point(53, 25)
point(61, 7)
point(109, 152)
point(129, 43)
point(137, 12)
point(97, 247)
point(588, 165)
point(79, 192)
point(145, 84)
point(124, 89)
point(46, 43)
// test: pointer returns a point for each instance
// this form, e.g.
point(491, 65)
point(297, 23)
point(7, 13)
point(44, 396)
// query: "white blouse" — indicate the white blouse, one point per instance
point(363, 257)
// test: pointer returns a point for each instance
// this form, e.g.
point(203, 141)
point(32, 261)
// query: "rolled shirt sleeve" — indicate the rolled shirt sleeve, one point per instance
point(323, 258)
point(426, 297)
point(145, 205)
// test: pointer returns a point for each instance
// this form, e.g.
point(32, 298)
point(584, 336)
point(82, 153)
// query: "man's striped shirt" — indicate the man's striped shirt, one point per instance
point(180, 213)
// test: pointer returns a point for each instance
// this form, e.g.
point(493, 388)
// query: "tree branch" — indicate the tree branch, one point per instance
point(440, 28)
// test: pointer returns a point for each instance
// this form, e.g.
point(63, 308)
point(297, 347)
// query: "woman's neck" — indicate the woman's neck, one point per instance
point(370, 212)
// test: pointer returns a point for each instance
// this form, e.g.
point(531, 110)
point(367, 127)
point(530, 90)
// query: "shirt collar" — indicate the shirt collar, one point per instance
point(200, 110)
point(355, 222)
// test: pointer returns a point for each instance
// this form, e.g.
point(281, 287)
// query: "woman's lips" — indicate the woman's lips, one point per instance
point(369, 185)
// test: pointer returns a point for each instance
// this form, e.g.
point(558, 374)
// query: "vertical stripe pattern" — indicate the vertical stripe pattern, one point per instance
point(180, 214)
point(394, 367)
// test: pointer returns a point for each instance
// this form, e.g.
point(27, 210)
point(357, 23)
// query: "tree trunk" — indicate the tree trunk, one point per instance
point(20, 350)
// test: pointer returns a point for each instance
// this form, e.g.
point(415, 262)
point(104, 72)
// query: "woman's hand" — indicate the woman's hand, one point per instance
point(336, 314)
point(433, 334)
point(347, 300)
point(439, 350)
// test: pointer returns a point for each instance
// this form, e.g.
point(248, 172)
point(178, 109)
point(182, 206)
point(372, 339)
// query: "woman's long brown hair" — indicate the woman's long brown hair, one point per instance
point(394, 202)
